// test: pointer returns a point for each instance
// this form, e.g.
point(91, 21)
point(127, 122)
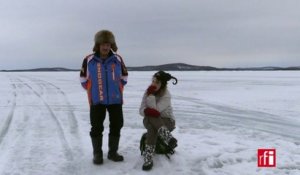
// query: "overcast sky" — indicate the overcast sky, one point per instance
point(220, 33)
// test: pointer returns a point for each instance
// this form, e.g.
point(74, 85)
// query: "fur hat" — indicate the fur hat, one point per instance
point(164, 77)
point(106, 36)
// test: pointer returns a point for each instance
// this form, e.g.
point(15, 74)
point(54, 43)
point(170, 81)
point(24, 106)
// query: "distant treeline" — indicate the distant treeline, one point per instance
point(167, 67)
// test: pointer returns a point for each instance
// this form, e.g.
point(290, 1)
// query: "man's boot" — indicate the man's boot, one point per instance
point(113, 145)
point(97, 150)
point(166, 135)
point(148, 157)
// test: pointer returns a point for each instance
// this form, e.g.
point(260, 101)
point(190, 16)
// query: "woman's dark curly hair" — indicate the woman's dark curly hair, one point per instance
point(164, 77)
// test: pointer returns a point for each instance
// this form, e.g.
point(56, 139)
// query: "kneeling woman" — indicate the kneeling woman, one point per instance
point(158, 115)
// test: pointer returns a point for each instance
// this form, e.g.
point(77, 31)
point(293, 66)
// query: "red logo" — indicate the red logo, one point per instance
point(266, 157)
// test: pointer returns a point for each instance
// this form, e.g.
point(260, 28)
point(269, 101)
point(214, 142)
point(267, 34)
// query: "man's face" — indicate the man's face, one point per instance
point(104, 49)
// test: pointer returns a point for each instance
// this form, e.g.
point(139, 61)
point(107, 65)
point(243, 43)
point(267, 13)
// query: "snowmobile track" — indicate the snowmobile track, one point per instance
point(67, 148)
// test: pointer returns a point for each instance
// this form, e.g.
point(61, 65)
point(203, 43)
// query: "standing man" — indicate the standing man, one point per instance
point(103, 75)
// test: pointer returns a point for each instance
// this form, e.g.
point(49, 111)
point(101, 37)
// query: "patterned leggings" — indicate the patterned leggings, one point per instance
point(152, 125)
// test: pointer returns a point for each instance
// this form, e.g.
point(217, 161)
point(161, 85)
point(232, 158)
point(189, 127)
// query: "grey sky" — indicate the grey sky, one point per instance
point(221, 33)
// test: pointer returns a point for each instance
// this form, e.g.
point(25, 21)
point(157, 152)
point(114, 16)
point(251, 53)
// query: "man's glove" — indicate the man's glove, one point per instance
point(151, 112)
point(151, 90)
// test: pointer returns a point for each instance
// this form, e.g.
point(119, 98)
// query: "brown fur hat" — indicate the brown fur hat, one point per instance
point(106, 36)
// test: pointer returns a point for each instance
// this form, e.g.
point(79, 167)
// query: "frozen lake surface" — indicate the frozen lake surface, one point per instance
point(222, 119)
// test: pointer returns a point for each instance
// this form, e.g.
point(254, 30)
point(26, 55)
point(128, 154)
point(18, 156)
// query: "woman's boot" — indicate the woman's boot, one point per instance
point(166, 135)
point(148, 157)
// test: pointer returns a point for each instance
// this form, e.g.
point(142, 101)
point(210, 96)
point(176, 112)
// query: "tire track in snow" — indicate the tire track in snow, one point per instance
point(52, 92)
point(57, 101)
point(71, 116)
point(250, 119)
point(7, 123)
point(67, 149)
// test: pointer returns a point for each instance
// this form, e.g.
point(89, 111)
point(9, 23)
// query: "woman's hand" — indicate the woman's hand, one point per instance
point(151, 90)
point(151, 112)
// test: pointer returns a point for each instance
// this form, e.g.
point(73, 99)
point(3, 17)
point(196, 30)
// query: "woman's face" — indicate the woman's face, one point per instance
point(156, 83)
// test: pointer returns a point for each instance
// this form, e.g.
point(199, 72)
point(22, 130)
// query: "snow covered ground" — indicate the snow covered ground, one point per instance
point(222, 119)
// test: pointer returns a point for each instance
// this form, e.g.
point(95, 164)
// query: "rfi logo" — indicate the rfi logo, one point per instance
point(266, 157)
